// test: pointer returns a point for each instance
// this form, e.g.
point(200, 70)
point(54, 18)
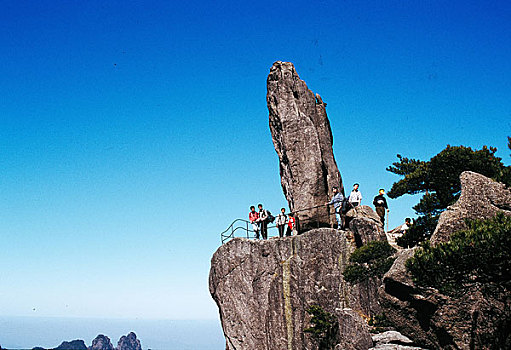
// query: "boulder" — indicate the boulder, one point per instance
point(481, 198)
point(129, 342)
point(365, 225)
point(263, 289)
point(101, 342)
point(391, 337)
point(303, 140)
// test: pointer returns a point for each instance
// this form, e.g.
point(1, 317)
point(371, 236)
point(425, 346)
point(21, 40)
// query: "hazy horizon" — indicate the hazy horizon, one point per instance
point(49, 332)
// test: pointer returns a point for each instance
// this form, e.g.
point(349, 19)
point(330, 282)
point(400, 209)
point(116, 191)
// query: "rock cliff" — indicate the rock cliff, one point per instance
point(263, 288)
point(474, 320)
point(303, 140)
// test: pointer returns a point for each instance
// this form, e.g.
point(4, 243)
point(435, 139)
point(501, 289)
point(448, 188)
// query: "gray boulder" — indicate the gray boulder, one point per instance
point(481, 198)
point(129, 342)
point(365, 225)
point(392, 340)
point(263, 289)
point(303, 140)
point(391, 337)
point(101, 342)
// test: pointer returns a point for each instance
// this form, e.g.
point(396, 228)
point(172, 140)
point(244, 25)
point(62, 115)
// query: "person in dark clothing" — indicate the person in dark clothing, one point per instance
point(263, 220)
point(380, 204)
point(281, 222)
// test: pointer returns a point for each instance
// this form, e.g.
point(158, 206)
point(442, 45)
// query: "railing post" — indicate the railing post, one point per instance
point(247, 230)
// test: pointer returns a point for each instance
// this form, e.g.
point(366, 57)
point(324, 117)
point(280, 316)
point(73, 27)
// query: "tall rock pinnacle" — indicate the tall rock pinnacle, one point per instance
point(303, 140)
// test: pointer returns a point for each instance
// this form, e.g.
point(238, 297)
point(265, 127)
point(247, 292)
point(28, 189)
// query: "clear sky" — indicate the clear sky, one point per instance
point(133, 132)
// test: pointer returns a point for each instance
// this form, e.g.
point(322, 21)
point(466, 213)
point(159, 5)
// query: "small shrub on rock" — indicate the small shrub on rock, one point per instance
point(371, 260)
point(479, 255)
point(325, 327)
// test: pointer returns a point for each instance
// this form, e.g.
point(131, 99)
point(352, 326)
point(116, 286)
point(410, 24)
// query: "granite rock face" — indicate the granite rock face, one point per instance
point(474, 320)
point(303, 140)
point(365, 225)
point(129, 342)
point(263, 288)
point(481, 198)
point(101, 342)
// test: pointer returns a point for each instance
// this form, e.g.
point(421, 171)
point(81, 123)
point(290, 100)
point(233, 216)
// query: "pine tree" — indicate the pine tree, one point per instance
point(438, 180)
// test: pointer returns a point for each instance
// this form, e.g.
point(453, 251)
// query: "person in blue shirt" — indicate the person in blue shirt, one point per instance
point(337, 200)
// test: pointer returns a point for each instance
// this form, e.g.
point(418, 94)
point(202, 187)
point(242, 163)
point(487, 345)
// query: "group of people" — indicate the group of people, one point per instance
point(342, 205)
point(260, 219)
point(286, 224)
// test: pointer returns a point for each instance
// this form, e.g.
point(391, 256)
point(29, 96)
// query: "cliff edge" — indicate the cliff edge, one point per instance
point(263, 289)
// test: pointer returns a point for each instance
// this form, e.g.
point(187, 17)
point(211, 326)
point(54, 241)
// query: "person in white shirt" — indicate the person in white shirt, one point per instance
point(355, 196)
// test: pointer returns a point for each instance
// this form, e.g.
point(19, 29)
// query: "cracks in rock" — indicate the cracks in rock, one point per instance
point(286, 291)
point(232, 347)
point(234, 268)
point(398, 290)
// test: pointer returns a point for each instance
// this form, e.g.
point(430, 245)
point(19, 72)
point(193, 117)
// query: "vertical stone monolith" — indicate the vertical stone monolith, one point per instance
point(303, 140)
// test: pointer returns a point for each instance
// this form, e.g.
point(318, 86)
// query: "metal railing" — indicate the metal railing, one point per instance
point(245, 227)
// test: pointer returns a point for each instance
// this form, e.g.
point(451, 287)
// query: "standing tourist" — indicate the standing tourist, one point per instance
point(355, 196)
point(253, 217)
point(380, 204)
point(337, 200)
point(281, 222)
point(263, 221)
point(290, 225)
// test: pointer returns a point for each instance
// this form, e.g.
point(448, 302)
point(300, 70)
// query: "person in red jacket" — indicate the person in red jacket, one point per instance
point(253, 217)
point(290, 225)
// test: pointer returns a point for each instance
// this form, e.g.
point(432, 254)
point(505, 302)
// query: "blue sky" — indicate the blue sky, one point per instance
point(132, 133)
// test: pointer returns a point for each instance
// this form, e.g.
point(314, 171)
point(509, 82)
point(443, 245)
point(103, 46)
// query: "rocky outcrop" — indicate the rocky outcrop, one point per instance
point(436, 321)
point(101, 342)
point(263, 288)
point(72, 345)
point(129, 342)
point(481, 198)
point(303, 140)
point(474, 320)
point(365, 225)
